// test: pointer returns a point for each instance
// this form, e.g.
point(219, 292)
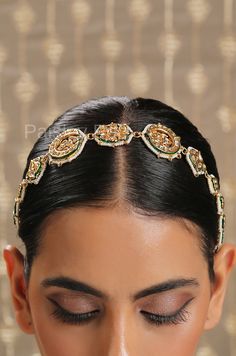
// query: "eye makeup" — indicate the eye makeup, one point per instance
point(165, 302)
point(177, 317)
point(65, 316)
point(75, 302)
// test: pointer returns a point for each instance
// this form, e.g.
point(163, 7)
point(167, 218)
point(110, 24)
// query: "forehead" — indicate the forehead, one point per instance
point(92, 241)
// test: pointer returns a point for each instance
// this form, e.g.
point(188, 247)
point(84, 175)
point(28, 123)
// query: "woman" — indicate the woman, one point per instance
point(123, 224)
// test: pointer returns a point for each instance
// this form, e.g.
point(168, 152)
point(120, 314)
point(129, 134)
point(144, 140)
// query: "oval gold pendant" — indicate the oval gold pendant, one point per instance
point(66, 146)
point(162, 141)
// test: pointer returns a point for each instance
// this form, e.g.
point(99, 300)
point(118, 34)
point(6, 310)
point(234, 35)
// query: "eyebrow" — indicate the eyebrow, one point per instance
point(75, 285)
point(166, 286)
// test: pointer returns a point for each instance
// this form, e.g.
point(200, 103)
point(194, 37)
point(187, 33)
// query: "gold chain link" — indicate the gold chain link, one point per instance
point(90, 136)
point(137, 134)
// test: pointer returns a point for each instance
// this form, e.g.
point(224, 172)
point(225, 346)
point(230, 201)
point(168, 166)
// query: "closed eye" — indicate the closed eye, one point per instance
point(180, 316)
point(65, 316)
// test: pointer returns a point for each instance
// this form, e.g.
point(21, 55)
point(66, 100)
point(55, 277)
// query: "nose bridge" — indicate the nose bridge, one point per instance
point(120, 334)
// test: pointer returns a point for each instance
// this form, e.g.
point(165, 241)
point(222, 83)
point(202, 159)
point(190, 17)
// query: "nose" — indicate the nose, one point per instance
point(118, 347)
point(120, 341)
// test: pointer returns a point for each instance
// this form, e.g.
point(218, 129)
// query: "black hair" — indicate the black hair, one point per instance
point(131, 174)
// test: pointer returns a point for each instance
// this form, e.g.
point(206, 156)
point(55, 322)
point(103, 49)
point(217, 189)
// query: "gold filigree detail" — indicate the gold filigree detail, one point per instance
point(221, 231)
point(113, 134)
point(213, 184)
point(220, 203)
point(66, 146)
point(195, 161)
point(36, 169)
point(159, 138)
point(22, 189)
point(162, 141)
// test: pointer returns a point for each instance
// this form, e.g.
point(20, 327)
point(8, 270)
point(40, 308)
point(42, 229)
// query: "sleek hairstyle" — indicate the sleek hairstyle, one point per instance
point(130, 174)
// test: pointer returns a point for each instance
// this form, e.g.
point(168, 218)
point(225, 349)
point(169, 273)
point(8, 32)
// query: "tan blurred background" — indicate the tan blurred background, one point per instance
point(56, 53)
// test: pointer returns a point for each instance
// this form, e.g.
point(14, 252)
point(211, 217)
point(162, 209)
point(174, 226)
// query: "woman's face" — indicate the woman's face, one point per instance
point(108, 282)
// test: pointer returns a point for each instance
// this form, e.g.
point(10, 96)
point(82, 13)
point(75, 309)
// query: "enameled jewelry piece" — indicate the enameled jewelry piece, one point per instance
point(213, 183)
point(113, 134)
point(16, 210)
point(221, 230)
point(162, 141)
point(158, 138)
point(195, 161)
point(20, 196)
point(36, 169)
point(220, 203)
point(66, 146)
point(22, 189)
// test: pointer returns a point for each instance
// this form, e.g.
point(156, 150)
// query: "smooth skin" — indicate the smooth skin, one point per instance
point(118, 265)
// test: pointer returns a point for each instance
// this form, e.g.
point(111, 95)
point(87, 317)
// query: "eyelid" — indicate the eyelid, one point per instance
point(66, 310)
point(77, 302)
point(66, 316)
point(171, 314)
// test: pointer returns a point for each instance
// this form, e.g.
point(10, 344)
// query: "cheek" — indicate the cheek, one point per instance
point(54, 338)
point(181, 339)
point(178, 341)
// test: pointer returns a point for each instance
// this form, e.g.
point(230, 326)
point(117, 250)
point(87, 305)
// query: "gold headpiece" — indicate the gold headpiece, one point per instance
point(160, 139)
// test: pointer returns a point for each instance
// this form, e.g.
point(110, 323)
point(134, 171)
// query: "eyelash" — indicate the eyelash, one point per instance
point(179, 317)
point(83, 318)
point(72, 318)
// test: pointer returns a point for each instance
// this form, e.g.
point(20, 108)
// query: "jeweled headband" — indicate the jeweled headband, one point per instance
point(160, 139)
